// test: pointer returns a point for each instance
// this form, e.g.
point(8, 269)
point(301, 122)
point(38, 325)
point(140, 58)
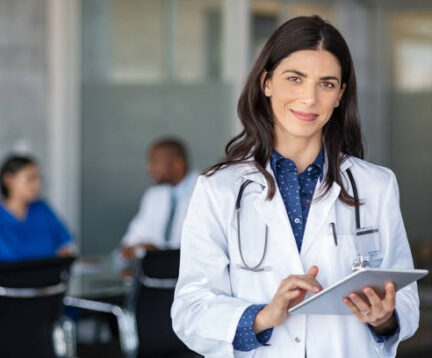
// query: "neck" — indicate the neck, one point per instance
point(302, 151)
point(17, 206)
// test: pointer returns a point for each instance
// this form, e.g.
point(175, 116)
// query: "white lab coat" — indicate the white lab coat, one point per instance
point(149, 224)
point(212, 293)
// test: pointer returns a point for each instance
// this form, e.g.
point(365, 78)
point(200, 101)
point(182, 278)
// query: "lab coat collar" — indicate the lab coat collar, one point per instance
point(274, 209)
point(346, 163)
point(252, 173)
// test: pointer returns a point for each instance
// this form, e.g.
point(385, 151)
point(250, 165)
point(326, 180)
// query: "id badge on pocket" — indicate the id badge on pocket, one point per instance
point(368, 247)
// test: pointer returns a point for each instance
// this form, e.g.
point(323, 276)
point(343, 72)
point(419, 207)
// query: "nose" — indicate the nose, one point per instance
point(309, 94)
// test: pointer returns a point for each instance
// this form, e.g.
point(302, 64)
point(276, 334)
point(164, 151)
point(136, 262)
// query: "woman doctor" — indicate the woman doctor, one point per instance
point(295, 230)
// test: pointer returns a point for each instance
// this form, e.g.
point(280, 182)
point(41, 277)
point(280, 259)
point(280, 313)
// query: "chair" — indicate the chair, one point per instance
point(31, 294)
point(151, 300)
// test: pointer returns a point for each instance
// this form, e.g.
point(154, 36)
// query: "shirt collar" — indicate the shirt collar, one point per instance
point(318, 162)
point(184, 186)
point(274, 160)
point(277, 158)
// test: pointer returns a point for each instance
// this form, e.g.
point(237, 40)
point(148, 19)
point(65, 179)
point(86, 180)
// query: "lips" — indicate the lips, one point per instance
point(303, 116)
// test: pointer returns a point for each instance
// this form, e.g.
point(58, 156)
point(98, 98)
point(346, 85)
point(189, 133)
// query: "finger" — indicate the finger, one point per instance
point(296, 300)
point(310, 279)
point(372, 296)
point(360, 303)
point(290, 281)
point(290, 295)
point(390, 296)
point(354, 309)
point(304, 282)
point(376, 304)
point(313, 271)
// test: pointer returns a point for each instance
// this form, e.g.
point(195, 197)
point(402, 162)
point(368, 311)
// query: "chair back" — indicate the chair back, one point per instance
point(153, 296)
point(31, 294)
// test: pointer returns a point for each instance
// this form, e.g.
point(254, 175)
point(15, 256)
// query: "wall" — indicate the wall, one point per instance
point(23, 77)
point(119, 123)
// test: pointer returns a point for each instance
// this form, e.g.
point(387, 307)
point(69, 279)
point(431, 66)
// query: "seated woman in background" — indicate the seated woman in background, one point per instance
point(29, 229)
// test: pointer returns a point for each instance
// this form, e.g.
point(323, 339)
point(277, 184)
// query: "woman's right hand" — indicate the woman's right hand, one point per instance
point(291, 291)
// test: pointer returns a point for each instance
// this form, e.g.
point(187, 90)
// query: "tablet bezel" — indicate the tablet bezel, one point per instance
point(359, 279)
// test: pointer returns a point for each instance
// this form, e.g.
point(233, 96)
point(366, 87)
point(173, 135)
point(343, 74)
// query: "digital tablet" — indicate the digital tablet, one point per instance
point(330, 300)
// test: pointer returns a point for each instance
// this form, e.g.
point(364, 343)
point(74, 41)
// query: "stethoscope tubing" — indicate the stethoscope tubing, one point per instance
point(257, 268)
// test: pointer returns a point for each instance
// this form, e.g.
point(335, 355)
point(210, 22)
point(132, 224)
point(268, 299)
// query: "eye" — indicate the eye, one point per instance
point(327, 84)
point(294, 79)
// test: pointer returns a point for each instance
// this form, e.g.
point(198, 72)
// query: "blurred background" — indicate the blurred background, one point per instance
point(86, 86)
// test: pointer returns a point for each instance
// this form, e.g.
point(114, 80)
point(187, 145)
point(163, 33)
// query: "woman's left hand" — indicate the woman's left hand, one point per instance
point(377, 312)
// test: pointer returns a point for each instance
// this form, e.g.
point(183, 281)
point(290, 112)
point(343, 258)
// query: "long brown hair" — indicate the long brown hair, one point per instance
point(341, 134)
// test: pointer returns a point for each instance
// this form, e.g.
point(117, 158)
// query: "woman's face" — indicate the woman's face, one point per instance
point(303, 90)
point(24, 184)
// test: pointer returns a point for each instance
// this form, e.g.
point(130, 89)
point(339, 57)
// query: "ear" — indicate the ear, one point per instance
point(265, 86)
point(340, 94)
point(7, 179)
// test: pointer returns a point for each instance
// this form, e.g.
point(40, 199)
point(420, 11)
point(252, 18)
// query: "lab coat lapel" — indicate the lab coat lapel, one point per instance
point(321, 209)
point(274, 214)
point(318, 215)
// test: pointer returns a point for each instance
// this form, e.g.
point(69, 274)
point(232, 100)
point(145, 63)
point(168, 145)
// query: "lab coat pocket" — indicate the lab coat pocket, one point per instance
point(336, 258)
point(368, 247)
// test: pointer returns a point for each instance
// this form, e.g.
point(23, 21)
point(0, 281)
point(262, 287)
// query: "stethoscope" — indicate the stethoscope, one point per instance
point(245, 266)
point(257, 268)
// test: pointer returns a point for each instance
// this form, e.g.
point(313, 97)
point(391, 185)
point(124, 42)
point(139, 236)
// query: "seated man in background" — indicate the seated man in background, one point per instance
point(29, 228)
point(159, 221)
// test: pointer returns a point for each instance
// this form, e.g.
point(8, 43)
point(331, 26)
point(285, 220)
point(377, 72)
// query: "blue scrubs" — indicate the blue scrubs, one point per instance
point(39, 235)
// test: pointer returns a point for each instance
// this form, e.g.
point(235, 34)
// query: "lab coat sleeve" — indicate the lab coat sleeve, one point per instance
point(397, 254)
point(205, 314)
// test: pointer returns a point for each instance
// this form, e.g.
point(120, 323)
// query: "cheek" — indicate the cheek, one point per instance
point(286, 92)
point(35, 184)
point(282, 98)
point(328, 103)
point(27, 186)
point(331, 98)
point(19, 186)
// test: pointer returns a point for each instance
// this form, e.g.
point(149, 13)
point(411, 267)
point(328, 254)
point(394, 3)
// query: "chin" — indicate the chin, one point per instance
point(297, 131)
point(160, 181)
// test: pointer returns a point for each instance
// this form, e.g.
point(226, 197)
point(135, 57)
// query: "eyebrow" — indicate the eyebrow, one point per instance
point(301, 74)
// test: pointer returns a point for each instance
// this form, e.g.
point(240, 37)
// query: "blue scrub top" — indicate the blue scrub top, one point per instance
point(39, 235)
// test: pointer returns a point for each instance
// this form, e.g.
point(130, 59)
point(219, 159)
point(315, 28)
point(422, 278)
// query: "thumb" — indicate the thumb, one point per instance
point(313, 271)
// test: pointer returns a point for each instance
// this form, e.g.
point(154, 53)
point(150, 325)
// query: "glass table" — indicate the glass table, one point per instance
point(96, 284)
point(97, 278)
